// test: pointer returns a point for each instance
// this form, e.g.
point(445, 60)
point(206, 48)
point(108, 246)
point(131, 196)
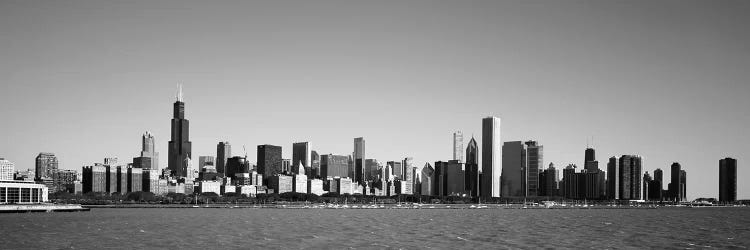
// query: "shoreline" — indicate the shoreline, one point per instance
point(389, 206)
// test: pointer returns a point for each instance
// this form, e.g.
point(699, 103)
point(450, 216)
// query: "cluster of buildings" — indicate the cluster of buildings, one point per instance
point(511, 169)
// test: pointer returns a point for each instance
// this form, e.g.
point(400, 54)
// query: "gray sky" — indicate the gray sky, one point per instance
point(667, 80)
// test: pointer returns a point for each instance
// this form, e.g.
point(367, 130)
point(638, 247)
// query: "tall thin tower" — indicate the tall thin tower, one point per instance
point(458, 146)
point(492, 157)
point(180, 145)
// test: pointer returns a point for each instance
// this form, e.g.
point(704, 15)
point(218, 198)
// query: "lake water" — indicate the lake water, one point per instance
point(206, 228)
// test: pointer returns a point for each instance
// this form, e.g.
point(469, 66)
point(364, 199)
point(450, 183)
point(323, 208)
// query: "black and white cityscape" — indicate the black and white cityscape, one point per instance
point(376, 125)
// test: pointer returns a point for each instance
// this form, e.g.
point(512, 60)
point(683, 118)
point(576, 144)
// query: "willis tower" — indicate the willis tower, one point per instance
point(179, 146)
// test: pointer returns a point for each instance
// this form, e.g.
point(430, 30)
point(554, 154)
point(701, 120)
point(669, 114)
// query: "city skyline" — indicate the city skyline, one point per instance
point(694, 116)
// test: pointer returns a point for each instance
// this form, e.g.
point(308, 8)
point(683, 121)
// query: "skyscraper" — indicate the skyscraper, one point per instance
point(46, 164)
point(359, 160)
point(223, 152)
point(675, 186)
point(6, 170)
point(548, 181)
point(148, 149)
point(269, 160)
point(301, 153)
point(491, 157)
point(534, 165)
point(314, 165)
point(612, 179)
point(727, 180)
point(472, 168)
point(408, 176)
point(427, 180)
point(180, 145)
point(513, 181)
point(206, 161)
point(333, 166)
point(658, 185)
point(630, 177)
point(458, 146)
point(595, 178)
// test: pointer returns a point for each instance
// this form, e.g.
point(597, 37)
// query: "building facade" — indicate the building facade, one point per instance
point(491, 157)
point(727, 180)
point(180, 147)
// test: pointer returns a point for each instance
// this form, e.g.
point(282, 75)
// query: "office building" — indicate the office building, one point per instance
point(458, 146)
point(472, 168)
point(408, 175)
point(269, 160)
point(223, 153)
point(301, 154)
point(150, 180)
point(135, 179)
point(612, 179)
point(94, 179)
point(7, 168)
point(359, 160)
point(534, 165)
point(280, 183)
point(514, 170)
point(315, 186)
point(235, 165)
point(148, 151)
point(315, 165)
point(63, 180)
point(180, 147)
point(46, 164)
point(630, 176)
point(455, 178)
point(657, 186)
point(397, 168)
point(491, 157)
point(206, 161)
point(548, 181)
point(209, 187)
point(333, 166)
point(727, 180)
point(676, 186)
point(299, 183)
point(426, 181)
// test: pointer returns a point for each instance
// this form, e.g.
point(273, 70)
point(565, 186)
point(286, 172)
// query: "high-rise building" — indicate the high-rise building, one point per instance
point(359, 160)
point(269, 160)
point(472, 168)
point(492, 157)
point(514, 170)
point(573, 184)
point(148, 149)
point(94, 179)
point(427, 176)
point(135, 179)
point(683, 181)
point(372, 167)
point(301, 153)
point(223, 152)
point(675, 187)
point(727, 180)
point(408, 176)
point(206, 161)
point(534, 165)
point(315, 165)
point(286, 166)
point(280, 183)
point(455, 178)
point(6, 170)
point(458, 146)
point(629, 177)
point(46, 164)
point(397, 169)
point(235, 165)
point(612, 179)
point(657, 186)
point(64, 180)
point(647, 180)
point(548, 181)
point(180, 147)
point(333, 166)
point(595, 178)
point(440, 179)
point(150, 181)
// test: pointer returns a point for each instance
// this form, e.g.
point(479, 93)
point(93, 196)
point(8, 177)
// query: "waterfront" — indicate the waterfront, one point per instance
point(197, 228)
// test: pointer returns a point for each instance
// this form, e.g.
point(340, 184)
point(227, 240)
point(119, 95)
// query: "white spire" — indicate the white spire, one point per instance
point(179, 92)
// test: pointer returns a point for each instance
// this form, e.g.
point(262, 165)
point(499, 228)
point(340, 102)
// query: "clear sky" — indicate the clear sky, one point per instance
point(668, 80)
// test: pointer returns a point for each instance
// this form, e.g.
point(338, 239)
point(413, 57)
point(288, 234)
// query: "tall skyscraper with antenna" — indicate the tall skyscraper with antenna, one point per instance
point(180, 145)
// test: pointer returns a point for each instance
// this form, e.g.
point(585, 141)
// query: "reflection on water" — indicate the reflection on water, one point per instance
point(326, 228)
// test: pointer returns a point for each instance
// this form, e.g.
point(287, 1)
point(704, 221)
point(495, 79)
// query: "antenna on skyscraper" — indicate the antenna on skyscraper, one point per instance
point(245, 150)
point(179, 92)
